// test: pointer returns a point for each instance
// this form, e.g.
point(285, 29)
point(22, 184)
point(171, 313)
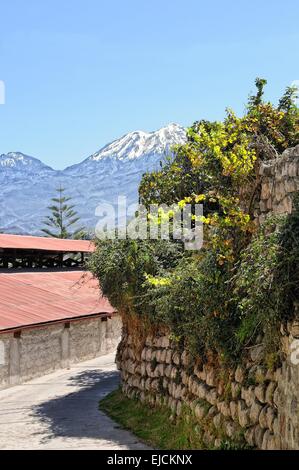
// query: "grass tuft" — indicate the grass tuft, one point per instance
point(154, 426)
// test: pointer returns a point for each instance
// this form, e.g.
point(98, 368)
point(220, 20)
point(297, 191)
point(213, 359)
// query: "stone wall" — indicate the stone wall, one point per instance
point(249, 404)
point(279, 181)
point(39, 351)
point(258, 405)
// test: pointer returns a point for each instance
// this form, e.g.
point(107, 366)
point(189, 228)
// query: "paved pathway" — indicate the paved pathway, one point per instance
point(60, 411)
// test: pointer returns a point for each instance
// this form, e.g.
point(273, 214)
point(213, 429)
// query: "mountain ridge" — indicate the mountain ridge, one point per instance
point(28, 184)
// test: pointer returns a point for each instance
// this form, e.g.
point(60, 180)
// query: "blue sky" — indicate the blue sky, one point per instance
point(79, 74)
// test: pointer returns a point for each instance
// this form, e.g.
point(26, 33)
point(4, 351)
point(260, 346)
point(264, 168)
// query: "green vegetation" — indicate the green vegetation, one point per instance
point(266, 281)
point(62, 219)
point(156, 426)
point(243, 282)
point(151, 425)
point(122, 266)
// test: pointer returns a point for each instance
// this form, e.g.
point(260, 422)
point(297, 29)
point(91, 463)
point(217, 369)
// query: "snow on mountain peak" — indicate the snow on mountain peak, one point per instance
point(20, 161)
point(12, 159)
point(27, 185)
point(139, 143)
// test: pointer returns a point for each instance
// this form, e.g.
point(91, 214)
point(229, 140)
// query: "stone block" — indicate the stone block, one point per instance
point(254, 413)
point(217, 420)
point(212, 411)
point(202, 390)
point(184, 392)
point(270, 416)
point(159, 371)
point(173, 373)
point(294, 330)
point(260, 393)
point(200, 411)
point(147, 384)
point(266, 190)
point(243, 414)
point(269, 204)
point(149, 371)
point(177, 391)
point(278, 398)
point(163, 355)
point(235, 390)
point(211, 377)
point(258, 436)
point(212, 397)
point(231, 428)
point(200, 372)
point(263, 418)
point(266, 169)
point(143, 368)
point(141, 384)
point(263, 205)
point(270, 392)
point(275, 426)
point(149, 354)
point(176, 359)
point(217, 443)
point(293, 169)
point(164, 343)
point(168, 356)
point(167, 370)
point(186, 358)
point(266, 438)
point(158, 355)
point(143, 354)
point(224, 408)
point(220, 388)
point(290, 185)
point(155, 385)
point(249, 436)
point(130, 366)
point(279, 191)
point(247, 394)
point(185, 377)
point(148, 341)
point(234, 410)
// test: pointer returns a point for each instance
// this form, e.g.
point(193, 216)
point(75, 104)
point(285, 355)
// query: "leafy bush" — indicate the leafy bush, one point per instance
point(122, 267)
point(194, 302)
point(225, 310)
point(242, 283)
point(219, 163)
point(267, 279)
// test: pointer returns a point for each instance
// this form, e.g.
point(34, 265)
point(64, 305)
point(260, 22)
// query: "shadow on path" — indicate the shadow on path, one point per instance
point(76, 415)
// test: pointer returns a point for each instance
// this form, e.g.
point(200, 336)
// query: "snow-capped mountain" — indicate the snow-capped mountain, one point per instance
point(27, 185)
point(18, 163)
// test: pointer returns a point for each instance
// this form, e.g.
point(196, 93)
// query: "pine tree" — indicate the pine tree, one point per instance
point(63, 217)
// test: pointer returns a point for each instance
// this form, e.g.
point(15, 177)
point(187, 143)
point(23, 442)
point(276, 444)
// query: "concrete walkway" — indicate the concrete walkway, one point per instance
point(60, 411)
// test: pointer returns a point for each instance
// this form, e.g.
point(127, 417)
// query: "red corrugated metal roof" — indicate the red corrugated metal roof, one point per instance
point(32, 298)
point(21, 242)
